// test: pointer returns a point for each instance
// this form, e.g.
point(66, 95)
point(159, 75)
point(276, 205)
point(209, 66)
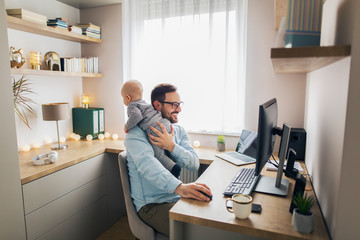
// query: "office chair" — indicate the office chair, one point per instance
point(139, 228)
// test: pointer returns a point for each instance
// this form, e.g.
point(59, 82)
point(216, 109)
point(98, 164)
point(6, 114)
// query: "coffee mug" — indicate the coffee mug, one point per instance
point(241, 205)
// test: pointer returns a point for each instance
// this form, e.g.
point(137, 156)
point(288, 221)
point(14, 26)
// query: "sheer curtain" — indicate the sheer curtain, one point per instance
point(197, 45)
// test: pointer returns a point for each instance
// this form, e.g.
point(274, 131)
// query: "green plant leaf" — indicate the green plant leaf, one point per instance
point(303, 202)
point(22, 103)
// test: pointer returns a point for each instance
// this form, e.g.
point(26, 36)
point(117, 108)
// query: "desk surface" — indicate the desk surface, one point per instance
point(274, 222)
point(76, 152)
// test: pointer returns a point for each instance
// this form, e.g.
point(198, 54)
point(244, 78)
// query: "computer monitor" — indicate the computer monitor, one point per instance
point(267, 131)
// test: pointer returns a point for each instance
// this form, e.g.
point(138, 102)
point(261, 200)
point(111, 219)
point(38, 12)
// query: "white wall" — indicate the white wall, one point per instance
point(12, 224)
point(262, 83)
point(332, 118)
point(47, 88)
point(105, 92)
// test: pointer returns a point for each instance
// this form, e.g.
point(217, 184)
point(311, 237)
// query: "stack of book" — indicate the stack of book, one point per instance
point(75, 64)
point(75, 29)
point(58, 23)
point(27, 15)
point(89, 29)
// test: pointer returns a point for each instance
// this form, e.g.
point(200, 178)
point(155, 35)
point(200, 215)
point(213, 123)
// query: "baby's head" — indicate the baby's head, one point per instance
point(131, 91)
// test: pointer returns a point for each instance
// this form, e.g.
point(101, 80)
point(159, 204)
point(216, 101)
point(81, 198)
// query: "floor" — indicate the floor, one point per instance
point(119, 231)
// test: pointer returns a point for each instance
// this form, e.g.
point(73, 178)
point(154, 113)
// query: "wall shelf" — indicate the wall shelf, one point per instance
point(55, 73)
point(306, 59)
point(31, 27)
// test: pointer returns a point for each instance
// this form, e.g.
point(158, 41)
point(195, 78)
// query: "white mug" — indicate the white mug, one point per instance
point(241, 206)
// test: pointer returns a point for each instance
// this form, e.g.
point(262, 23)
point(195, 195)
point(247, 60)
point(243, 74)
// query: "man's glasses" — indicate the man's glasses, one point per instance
point(174, 105)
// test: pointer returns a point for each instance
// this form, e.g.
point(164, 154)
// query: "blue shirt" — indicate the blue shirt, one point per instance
point(150, 181)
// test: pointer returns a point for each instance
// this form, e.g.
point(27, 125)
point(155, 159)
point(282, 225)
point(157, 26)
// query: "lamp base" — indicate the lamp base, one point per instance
point(59, 146)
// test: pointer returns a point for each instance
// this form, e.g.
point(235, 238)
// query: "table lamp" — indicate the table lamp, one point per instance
point(56, 112)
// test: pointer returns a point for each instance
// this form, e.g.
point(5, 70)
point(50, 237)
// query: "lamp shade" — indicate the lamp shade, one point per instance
point(55, 111)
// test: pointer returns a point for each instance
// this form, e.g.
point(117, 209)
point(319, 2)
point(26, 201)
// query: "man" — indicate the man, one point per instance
point(154, 189)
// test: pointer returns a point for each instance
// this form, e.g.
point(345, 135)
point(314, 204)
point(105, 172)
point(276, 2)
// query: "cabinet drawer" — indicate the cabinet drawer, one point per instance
point(87, 224)
point(56, 212)
point(48, 188)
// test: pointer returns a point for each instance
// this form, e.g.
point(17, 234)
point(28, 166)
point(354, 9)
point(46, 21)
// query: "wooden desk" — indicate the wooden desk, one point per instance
point(191, 219)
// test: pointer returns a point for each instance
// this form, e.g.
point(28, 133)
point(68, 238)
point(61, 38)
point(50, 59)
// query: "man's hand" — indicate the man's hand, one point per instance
point(164, 139)
point(125, 129)
point(191, 190)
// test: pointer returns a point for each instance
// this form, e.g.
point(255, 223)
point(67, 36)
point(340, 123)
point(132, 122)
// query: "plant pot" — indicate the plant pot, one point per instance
point(303, 223)
point(220, 147)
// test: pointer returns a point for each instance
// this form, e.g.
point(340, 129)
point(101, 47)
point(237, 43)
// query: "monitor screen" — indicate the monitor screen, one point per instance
point(267, 131)
point(266, 139)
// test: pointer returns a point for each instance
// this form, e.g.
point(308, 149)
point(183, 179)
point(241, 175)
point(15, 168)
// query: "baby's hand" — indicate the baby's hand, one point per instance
point(125, 130)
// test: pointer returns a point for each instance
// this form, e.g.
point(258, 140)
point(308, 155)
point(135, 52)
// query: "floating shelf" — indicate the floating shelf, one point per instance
point(31, 27)
point(306, 59)
point(55, 73)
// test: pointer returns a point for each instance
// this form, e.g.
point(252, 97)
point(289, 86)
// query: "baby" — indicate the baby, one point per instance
point(144, 115)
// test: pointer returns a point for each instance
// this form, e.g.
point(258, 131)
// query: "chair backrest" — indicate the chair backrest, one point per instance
point(140, 229)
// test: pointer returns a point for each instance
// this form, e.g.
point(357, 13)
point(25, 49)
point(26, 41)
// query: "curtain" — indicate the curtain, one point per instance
point(197, 45)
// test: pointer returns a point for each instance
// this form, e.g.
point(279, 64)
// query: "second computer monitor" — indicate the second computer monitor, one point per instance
point(267, 130)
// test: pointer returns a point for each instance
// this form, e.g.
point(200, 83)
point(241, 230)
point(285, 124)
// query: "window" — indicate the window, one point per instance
point(199, 46)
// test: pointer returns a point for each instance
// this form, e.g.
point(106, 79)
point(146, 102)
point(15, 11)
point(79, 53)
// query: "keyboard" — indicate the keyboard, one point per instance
point(243, 182)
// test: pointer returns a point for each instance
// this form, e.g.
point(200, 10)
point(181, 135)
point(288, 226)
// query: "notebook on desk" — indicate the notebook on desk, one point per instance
point(245, 152)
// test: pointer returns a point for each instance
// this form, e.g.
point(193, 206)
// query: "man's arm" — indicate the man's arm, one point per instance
point(181, 151)
point(184, 155)
point(140, 150)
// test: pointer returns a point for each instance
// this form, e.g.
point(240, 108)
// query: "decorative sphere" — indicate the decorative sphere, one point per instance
point(101, 136)
point(107, 135)
point(196, 143)
point(115, 136)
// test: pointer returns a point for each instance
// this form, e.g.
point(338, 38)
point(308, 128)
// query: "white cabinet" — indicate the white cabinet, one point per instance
point(78, 202)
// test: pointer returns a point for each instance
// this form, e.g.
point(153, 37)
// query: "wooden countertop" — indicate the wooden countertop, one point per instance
point(274, 222)
point(76, 152)
point(79, 151)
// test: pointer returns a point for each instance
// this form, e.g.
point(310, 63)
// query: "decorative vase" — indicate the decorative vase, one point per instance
point(220, 147)
point(303, 223)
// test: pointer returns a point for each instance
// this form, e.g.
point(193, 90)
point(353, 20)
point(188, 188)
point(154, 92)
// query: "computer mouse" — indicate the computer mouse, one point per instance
point(210, 197)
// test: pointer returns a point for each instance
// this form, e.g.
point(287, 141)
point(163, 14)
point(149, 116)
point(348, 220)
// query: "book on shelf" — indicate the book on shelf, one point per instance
point(75, 29)
point(88, 25)
point(57, 23)
point(90, 34)
point(75, 64)
point(27, 15)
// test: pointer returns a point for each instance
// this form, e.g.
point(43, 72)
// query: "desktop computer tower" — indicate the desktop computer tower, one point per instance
point(88, 121)
point(297, 142)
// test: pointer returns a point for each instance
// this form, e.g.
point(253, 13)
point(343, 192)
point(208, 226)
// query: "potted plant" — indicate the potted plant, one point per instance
point(303, 218)
point(22, 104)
point(220, 143)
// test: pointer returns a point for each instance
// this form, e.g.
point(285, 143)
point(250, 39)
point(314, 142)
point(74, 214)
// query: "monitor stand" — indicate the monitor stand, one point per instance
point(267, 185)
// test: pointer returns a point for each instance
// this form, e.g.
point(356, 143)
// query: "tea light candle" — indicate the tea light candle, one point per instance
point(77, 137)
point(84, 101)
point(35, 60)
